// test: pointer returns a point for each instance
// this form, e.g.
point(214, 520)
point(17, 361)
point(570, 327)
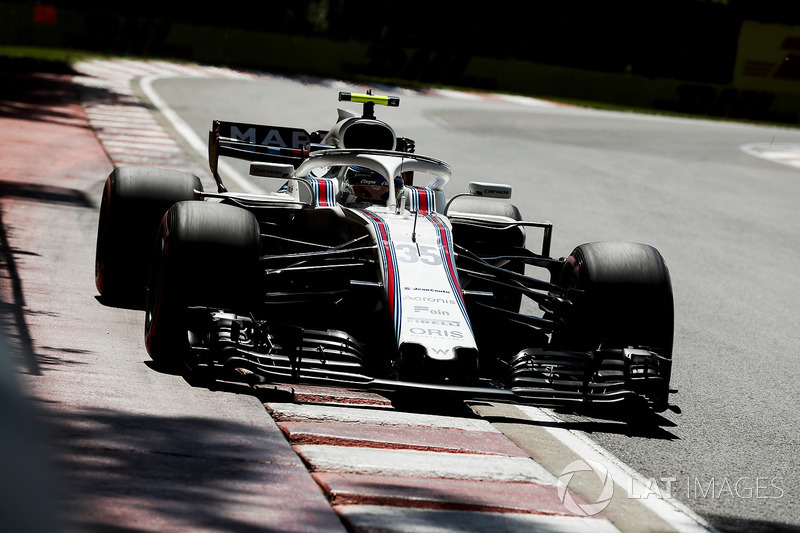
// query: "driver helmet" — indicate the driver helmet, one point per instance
point(364, 185)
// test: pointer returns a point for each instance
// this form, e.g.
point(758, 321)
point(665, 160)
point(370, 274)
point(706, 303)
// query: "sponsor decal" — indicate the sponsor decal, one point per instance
point(420, 289)
point(429, 299)
point(265, 135)
point(411, 253)
point(426, 309)
point(435, 322)
point(436, 332)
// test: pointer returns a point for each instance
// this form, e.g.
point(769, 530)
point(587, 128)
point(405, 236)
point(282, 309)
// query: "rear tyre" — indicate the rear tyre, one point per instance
point(624, 300)
point(466, 205)
point(487, 241)
point(134, 201)
point(207, 255)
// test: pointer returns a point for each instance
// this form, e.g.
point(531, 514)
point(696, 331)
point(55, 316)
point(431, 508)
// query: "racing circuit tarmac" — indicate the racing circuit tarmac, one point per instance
point(148, 451)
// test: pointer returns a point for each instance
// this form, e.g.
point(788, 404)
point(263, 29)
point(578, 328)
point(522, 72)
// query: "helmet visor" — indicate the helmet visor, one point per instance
point(372, 193)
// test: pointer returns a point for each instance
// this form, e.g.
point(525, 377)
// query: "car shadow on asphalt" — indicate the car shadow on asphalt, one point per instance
point(620, 419)
point(45, 193)
point(284, 392)
point(635, 423)
point(724, 524)
point(204, 381)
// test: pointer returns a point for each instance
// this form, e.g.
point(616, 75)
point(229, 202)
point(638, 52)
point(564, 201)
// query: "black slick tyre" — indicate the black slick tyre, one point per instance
point(626, 297)
point(481, 226)
point(483, 206)
point(133, 203)
point(207, 255)
point(623, 298)
point(486, 241)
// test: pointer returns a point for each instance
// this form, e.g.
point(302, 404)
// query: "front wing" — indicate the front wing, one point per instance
point(240, 346)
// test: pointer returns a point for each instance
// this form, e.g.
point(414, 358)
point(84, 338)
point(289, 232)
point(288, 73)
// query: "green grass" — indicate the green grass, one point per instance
point(30, 59)
point(58, 60)
point(589, 104)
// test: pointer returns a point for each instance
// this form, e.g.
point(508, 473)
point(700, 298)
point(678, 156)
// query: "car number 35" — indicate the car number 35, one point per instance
point(410, 253)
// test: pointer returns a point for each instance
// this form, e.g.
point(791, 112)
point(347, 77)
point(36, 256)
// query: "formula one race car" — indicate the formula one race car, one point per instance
point(358, 272)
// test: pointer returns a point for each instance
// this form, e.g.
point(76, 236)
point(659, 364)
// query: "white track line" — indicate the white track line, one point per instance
point(670, 510)
point(786, 154)
point(194, 141)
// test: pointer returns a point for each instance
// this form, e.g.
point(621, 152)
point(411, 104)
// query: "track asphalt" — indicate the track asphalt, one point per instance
point(123, 446)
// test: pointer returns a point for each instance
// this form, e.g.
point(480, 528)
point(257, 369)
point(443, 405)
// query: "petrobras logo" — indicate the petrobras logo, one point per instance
point(595, 469)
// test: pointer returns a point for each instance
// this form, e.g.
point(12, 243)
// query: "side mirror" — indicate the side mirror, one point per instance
point(490, 190)
point(271, 170)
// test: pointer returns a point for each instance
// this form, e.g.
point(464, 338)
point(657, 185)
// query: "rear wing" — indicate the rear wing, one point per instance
point(254, 142)
point(281, 144)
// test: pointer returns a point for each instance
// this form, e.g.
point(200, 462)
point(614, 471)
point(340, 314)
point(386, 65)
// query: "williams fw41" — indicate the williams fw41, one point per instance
point(358, 272)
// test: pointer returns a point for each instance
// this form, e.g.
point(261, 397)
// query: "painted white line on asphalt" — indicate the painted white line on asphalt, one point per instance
point(459, 95)
point(181, 70)
point(122, 161)
point(117, 110)
point(380, 417)
point(159, 152)
point(526, 101)
point(404, 519)
point(424, 464)
point(128, 127)
point(785, 154)
point(220, 72)
point(121, 146)
point(144, 151)
point(495, 97)
point(197, 144)
point(151, 135)
point(121, 113)
point(637, 486)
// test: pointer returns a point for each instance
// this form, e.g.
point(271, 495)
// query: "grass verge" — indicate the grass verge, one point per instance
point(15, 59)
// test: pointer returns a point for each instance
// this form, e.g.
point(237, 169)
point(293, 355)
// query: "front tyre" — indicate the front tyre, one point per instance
point(622, 297)
point(207, 255)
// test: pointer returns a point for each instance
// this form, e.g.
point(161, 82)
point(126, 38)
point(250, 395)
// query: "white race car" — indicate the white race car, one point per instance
point(359, 272)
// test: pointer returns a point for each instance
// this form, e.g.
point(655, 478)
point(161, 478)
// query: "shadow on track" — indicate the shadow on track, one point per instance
point(12, 300)
point(162, 469)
